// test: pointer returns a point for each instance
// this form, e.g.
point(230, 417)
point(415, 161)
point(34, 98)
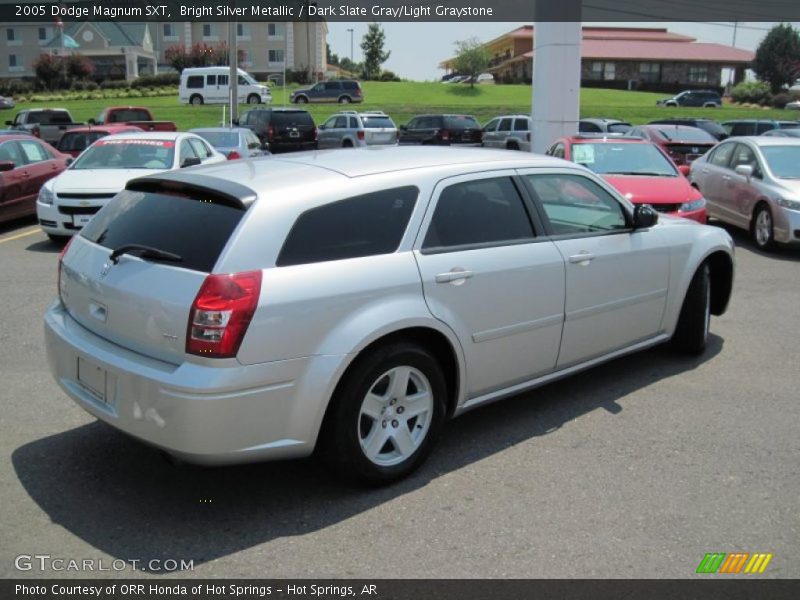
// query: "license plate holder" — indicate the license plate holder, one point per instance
point(81, 220)
point(294, 134)
point(93, 378)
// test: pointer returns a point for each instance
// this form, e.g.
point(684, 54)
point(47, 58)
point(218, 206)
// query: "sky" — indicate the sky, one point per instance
point(418, 48)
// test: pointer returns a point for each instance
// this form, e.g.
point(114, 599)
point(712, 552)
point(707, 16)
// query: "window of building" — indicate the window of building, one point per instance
point(11, 35)
point(698, 74)
point(170, 31)
point(275, 56)
point(209, 31)
point(243, 31)
point(275, 30)
point(650, 72)
point(45, 33)
point(603, 71)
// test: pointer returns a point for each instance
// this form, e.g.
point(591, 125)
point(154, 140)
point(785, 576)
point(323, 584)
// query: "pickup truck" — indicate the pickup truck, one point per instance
point(138, 116)
point(48, 124)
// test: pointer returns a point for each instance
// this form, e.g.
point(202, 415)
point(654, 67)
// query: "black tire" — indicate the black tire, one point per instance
point(344, 100)
point(691, 333)
point(346, 428)
point(301, 100)
point(253, 99)
point(196, 100)
point(58, 239)
point(512, 146)
point(762, 228)
point(347, 144)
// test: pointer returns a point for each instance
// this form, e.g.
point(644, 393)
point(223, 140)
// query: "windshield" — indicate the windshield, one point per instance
point(623, 158)
point(220, 139)
point(77, 142)
point(127, 154)
point(783, 161)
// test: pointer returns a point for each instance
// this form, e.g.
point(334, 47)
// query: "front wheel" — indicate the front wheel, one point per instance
point(344, 100)
point(253, 99)
point(301, 100)
point(763, 228)
point(691, 333)
point(386, 415)
point(196, 100)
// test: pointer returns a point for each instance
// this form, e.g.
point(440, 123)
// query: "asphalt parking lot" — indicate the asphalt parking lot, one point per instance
point(634, 469)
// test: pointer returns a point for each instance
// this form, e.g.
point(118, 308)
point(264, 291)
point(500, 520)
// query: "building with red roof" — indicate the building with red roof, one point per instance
point(620, 57)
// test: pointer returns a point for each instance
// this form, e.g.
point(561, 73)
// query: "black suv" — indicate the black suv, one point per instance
point(704, 98)
point(709, 125)
point(284, 129)
point(343, 92)
point(441, 130)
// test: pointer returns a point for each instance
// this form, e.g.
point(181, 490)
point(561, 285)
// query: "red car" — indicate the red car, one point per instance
point(75, 141)
point(25, 164)
point(639, 170)
point(682, 143)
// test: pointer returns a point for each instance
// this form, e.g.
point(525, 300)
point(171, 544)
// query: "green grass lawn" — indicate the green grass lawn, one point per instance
point(402, 100)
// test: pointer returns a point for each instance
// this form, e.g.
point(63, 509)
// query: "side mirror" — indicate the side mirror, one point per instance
point(685, 170)
point(92, 122)
point(265, 146)
point(192, 161)
point(403, 128)
point(7, 165)
point(745, 170)
point(9, 122)
point(644, 216)
point(322, 127)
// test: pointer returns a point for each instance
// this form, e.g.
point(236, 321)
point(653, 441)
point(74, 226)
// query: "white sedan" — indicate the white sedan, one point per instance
point(67, 202)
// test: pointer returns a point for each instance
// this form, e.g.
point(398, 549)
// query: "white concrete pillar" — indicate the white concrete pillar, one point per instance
point(556, 81)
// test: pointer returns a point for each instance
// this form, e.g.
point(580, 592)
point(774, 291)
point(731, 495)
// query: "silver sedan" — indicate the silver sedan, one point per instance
point(754, 183)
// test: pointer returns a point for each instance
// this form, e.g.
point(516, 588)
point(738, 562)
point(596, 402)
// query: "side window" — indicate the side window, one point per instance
point(557, 150)
point(34, 152)
point(521, 125)
point(743, 155)
point(587, 127)
point(721, 155)
point(222, 80)
point(426, 123)
point(413, 124)
point(740, 129)
point(762, 127)
point(332, 86)
point(211, 80)
point(576, 205)
point(341, 123)
point(330, 123)
point(194, 82)
point(252, 140)
point(365, 225)
point(186, 151)
point(9, 151)
point(200, 149)
point(354, 123)
point(491, 125)
point(505, 125)
point(485, 211)
point(243, 81)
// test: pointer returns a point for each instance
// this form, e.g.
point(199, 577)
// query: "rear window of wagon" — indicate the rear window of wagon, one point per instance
point(194, 227)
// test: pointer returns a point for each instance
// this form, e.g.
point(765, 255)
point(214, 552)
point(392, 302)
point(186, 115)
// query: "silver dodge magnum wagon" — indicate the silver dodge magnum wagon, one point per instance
point(350, 303)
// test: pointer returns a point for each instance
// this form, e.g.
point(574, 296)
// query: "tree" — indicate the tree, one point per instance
point(331, 58)
point(200, 55)
point(79, 67)
point(471, 58)
point(372, 47)
point(777, 59)
point(49, 70)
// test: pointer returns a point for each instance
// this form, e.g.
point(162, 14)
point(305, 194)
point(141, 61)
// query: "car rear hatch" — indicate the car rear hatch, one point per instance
point(292, 127)
point(379, 130)
point(463, 129)
point(141, 299)
point(685, 153)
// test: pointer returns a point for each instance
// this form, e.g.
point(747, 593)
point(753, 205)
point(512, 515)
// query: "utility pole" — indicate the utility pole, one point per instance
point(233, 61)
point(351, 44)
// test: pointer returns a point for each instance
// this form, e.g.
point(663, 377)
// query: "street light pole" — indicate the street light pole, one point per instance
point(351, 44)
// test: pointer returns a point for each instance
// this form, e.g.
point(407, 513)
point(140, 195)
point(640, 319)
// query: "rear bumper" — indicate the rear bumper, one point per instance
point(202, 414)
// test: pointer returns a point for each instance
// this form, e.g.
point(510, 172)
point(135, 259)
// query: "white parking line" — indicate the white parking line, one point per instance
point(21, 235)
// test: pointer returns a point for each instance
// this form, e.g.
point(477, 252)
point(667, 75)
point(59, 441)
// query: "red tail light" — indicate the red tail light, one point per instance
point(316, 135)
point(233, 155)
point(36, 131)
point(221, 314)
point(60, 266)
point(270, 132)
point(360, 135)
point(444, 135)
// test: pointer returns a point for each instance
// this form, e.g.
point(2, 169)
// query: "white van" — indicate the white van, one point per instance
point(209, 85)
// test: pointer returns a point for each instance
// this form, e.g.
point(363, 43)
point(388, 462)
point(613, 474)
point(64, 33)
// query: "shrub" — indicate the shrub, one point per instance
point(780, 100)
point(113, 84)
point(160, 80)
point(756, 92)
point(389, 76)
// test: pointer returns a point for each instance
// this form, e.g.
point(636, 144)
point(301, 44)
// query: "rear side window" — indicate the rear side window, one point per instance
point(364, 225)
point(521, 125)
point(194, 82)
point(486, 211)
point(350, 85)
point(195, 228)
point(721, 155)
point(284, 119)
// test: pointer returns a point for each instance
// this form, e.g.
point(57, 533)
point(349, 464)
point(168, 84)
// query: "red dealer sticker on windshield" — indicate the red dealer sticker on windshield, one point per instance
point(160, 143)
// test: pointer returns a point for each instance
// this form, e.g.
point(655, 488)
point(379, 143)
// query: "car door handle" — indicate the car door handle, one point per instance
point(456, 276)
point(705, 170)
point(583, 257)
point(726, 177)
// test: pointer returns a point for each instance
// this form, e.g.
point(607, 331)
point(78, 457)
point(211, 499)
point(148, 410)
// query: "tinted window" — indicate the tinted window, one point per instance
point(491, 125)
point(77, 142)
point(292, 119)
point(478, 212)
point(47, 117)
point(129, 114)
point(194, 82)
point(788, 125)
point(521, 125)
point(9, 151)
point(741, 129)
point(340, 123)
point(588, 127)
point(762, 127)
point(222, 80)
point(220, 139)
point(360, 226)
point(211, 80)
point(721, 155)
point(350, 85)
point(461, 122)
point(376, 122)
point(505, 125)
point(332, 86)
point(575, 205)
point(195, 229)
